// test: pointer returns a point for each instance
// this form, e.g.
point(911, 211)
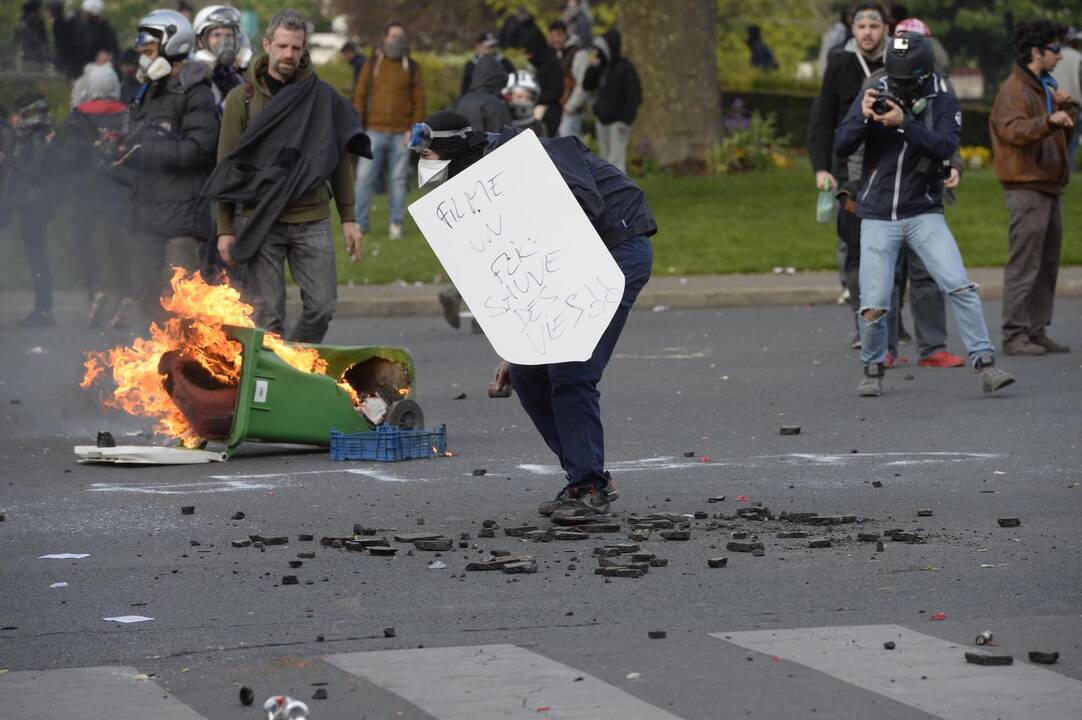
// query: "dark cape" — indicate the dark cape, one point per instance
point(293, 144)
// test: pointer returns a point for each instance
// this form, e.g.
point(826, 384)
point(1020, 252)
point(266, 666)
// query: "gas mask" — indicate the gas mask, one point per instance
point(521, 111)
point(910, 93)
point(432, 172)
point(225, 49)
point(151, 70)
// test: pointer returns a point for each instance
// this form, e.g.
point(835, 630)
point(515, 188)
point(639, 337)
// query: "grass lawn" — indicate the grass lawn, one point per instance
point(735, 224)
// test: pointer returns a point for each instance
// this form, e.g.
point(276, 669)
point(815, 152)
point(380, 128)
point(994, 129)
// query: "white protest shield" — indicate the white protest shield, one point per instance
point(523, 254)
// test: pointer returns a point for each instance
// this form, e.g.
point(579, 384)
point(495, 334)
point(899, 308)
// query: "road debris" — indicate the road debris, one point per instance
point(290, 580)
point(789, 430)
point(127, 619)
point(976, 658)
point(744, 547)
point(247, 696)
point(718, 562)
point(320, 694)
point(187, 509)
point(389, 632)
point(984, 638)
point(657, 634)
point(1043, 658)
point(924, 513)
point(1011, 522)
point(64, 556)
point(889, 645)
point(238, 515)
point(938, 616)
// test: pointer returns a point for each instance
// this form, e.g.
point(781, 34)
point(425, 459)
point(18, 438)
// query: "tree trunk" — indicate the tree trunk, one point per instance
point(673, 46)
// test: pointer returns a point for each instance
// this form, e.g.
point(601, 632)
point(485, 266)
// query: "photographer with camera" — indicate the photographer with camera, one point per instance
point(910, 125)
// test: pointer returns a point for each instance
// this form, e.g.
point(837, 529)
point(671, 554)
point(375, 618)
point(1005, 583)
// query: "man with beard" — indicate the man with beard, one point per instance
point(283, 152)
point(389, 98)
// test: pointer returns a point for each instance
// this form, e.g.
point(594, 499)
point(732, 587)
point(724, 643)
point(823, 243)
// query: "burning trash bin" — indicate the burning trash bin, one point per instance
point(206, 374)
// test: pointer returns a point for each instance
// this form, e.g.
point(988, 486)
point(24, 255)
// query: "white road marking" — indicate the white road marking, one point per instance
point(953, 690)
point(240, 483)
point(911, 457)
point(490, 681)
point(117, 693)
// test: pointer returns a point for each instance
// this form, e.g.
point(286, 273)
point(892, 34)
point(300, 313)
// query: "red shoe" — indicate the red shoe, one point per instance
point(942, 359)
point(890, 361)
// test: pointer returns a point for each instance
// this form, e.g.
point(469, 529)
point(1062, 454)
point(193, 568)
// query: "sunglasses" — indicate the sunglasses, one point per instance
point(1054, 49)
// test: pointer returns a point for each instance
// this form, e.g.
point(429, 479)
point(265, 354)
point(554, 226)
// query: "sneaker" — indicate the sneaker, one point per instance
point(395, 231)
point(942, 359)
point(1022, 345)
point(451, 302)
point(37, 318)
point(992, 378)
point(891, 361)
point(871, 385)
point(578, 501)
point(855, 343)
point(1050, 345)
point(844, 297)
point(96, 309)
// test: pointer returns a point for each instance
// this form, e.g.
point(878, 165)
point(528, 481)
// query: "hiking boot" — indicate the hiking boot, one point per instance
point(992, 378)
point(871, 385)
point(942, 359)
point(1022, 345)
point(1050, 345)
point(395, 231)
point(451, 302)
point(37, 318)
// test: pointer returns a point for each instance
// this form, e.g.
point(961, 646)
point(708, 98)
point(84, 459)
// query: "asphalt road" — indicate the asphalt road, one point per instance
point(564, 642)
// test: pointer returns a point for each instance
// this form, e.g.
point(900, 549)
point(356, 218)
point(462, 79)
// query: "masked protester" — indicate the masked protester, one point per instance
point(169, 150)
point(521, 95)
point(910, 125)
point(216, 30)
point(28, 197)
point(562, 399)
point(84, 148)
point(389, 98)
point(619, 96)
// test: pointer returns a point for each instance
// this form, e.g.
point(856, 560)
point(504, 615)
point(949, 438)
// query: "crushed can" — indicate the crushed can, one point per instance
point(984, 638)
point(283, 707)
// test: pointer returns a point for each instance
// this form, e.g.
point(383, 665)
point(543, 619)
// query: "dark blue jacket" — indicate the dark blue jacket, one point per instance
point(899, 171)
point(615, 205)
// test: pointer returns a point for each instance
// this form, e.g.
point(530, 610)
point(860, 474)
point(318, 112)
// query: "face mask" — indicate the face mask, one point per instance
point(225, 50)
point(396, 49)
point(431, 171)
point(521, 112)
point(151, 70)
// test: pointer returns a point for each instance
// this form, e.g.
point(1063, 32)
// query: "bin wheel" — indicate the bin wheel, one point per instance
point(407, 415)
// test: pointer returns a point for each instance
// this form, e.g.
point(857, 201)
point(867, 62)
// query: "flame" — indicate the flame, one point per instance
point(198, 311)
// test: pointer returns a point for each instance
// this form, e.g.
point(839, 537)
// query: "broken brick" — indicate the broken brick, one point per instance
point(822, 543)
point(359, 529)
point(486, 533)
point(600, 528)
point(519, 531)
point(659, 562)
point(290, 580)
point(616, 549)
point(719, 562)
point(879, 546)
point(414, 537)
point(1009, 522)
point(676, 534)
point(976, 658)
point(519, 568)
point(738, 535)
point(792, 535)
point(701, 515)
point(1043, 658)
point(620, 571)
point(295, 564)
point(382, 551)
point(570, 535)
point(489, 524)
point(744, 547)
point(877, 483)
point(888, 645)
point(389, 632)
point(640, 535)
point(867, 537)
point(716, 499)
point(238, 515)
point(320, 694)
point(306, 555)
point(433, 545)
point(924, 513)
point(789, 430)
point(657, 634)
point(187, 509)
point(241, 543)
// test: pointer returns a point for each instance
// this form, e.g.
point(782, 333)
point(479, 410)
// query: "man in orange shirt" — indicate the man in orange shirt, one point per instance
point(390, 98)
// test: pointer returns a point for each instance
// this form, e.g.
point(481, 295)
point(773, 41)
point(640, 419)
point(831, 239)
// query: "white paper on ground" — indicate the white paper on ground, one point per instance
point(523, 254)
point(59, 585)
point(64, 556)
point(128, 618)
point(146, 455)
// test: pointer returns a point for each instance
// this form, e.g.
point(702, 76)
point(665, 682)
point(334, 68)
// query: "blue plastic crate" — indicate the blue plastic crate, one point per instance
point(389, 443)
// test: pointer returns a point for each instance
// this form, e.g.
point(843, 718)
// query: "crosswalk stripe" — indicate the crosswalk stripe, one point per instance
point(953, 689)
point(117, 693)
point(487, 681)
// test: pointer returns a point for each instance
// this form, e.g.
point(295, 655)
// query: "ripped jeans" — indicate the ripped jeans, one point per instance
point(932, 241)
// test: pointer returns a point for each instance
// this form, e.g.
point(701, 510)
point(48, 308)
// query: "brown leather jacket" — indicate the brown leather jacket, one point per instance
point(1029, 153)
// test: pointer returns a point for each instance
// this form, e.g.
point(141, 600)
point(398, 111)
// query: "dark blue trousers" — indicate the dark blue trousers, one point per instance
point(562, 399)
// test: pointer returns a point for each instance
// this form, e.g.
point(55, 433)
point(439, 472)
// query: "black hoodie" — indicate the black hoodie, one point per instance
point(619, 92)
point(483, 105)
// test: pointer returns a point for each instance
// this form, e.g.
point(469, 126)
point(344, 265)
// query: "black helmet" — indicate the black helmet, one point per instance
point(909, 58)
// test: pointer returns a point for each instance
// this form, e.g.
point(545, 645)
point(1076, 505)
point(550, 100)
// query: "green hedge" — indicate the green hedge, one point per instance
point(792, 111)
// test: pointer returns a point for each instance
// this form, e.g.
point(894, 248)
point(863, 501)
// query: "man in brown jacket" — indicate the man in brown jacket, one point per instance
point(390, 98)
point(1031, 126)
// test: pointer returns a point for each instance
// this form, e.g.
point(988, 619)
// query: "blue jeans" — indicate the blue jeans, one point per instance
point(932, 241)
point(562, 399)
point(389, 152)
